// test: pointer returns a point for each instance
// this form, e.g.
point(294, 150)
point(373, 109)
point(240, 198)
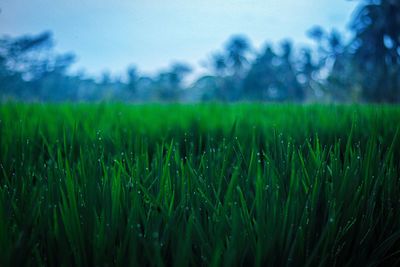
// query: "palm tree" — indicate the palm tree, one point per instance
point(237, 49)
point(218, 64)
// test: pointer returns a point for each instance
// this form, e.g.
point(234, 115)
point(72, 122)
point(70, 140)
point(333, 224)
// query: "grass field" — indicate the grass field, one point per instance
point(199, 185)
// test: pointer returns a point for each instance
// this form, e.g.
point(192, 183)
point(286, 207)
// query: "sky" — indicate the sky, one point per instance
point(151, 34)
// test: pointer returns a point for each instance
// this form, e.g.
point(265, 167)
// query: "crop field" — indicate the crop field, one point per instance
point(199, 185)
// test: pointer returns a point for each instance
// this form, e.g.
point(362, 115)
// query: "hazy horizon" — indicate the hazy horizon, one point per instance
point(111, 36)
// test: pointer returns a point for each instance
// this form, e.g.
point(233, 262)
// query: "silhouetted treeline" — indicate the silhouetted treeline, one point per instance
point(365, 68)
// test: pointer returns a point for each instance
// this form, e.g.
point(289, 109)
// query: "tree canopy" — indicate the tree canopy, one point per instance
point(365, 67)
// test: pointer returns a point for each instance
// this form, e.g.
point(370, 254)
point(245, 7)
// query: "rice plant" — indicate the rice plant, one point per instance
point(199, 185)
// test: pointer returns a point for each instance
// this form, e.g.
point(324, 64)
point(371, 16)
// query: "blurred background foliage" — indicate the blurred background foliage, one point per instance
point(363, 68)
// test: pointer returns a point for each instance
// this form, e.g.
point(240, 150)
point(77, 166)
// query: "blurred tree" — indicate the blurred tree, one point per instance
point(274, 76)
point(133, 78)
point(307, 75)
point(54, 84)
point(178, 73)
point(205, 88)
point(288, 74)
point(169, 84)
point(218, 82)
point(342, 79)
point(237, 48)
point(218, 64)
point(365, 68)
point(377, 48)
point(27, 63)
point(261, 81)
point(336, 69)
point(105, 78)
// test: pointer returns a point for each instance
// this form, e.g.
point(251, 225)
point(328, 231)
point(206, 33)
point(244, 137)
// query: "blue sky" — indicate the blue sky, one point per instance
point(110, 35)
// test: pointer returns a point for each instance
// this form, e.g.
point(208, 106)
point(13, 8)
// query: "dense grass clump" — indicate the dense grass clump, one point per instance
point(200, 185)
